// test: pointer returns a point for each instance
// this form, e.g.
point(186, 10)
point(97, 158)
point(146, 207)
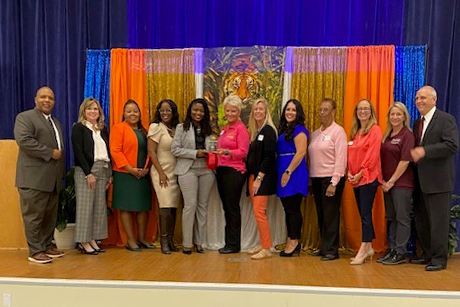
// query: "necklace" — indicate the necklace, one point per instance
point(170, 131)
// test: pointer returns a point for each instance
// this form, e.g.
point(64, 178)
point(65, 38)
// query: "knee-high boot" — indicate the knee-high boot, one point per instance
point(164, 227)
point(172, 225)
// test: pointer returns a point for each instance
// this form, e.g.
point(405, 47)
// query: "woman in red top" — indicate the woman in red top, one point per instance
point(364, 170)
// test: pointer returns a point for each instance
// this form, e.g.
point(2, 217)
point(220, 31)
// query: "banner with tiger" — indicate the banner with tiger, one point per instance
point(249, 72)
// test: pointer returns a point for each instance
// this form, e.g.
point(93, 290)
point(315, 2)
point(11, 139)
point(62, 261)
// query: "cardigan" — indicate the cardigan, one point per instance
point(123, 147)
point(83, 146)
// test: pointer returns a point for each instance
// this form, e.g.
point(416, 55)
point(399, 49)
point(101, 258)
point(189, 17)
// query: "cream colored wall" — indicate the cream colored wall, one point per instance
point(131, 295)
point(11, 227)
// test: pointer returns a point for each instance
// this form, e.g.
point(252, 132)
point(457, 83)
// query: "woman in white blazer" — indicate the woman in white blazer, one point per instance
point(195, 179)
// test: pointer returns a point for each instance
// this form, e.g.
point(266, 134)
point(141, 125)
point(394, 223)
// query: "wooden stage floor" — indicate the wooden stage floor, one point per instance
point(306, 270)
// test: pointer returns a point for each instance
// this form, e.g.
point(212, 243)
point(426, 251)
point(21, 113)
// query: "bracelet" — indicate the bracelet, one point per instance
point(86, 177)
point(288, 172)
point(259, 178)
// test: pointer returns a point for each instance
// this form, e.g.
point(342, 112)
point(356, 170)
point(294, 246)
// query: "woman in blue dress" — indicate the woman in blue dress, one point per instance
point(292, 171)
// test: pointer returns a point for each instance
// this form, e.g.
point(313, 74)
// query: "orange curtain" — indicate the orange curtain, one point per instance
point(128, 81)
point(370, 74)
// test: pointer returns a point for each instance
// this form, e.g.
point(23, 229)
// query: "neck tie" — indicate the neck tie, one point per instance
point(52, 128)
point(420, 130)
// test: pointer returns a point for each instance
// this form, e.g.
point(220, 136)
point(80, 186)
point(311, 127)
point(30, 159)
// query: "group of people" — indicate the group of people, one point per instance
point(185, 159)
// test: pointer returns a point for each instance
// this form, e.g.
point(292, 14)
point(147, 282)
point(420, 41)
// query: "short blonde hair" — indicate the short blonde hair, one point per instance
point(86, 104)
point(234, 101)
point(252, 122)
point(406, 122)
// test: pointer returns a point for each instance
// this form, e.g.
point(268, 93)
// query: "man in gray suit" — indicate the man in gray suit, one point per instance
point(39, 173)
point(436, 138)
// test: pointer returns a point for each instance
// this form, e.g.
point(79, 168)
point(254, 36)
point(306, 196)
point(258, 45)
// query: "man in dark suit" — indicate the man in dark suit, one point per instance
point(39, 173)
point(436, 137)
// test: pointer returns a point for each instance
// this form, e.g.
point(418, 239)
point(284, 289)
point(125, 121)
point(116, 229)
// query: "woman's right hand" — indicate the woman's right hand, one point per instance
point(201, 153)
point(136, 172)
point(164, 180)
point(91, 181)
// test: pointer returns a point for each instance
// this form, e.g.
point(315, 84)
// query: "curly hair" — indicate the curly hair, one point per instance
point(205, 122)
point(288, 128)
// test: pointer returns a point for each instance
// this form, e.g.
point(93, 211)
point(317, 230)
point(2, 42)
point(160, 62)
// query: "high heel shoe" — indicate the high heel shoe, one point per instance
point(199, 249)
point(356, 261)
point(85, 251)
point(97, 248)
point(146, 245)
point(296, 251)
point(186, 250)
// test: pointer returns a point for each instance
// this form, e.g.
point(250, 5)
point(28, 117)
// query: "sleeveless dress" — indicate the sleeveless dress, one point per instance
point(298, 183)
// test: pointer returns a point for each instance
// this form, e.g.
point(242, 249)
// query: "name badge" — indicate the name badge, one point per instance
point(222, 132)
point(350, 143)
point(326, 138)
point(260, 137)
point(395, 141)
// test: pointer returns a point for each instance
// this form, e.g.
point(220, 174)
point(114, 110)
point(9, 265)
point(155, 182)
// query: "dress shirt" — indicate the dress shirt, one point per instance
point(56, 132)
point(428, 116)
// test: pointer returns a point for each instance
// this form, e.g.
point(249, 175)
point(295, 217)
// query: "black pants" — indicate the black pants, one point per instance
point(365, 195)
point(432, 220)
point(293, 215)
point(328, 211)
point(230, 182)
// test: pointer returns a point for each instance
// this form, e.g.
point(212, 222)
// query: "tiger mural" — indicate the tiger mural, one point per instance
point(244, 84)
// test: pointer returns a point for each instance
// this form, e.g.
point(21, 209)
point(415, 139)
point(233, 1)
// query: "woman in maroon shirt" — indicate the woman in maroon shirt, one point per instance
point(398, 181)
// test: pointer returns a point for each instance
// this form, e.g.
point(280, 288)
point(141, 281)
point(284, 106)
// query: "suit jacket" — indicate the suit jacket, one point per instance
point(124, 147)
point(183, 147)
point(436, 170)
point(35, 137)
point(83, 146)
point(262, 158)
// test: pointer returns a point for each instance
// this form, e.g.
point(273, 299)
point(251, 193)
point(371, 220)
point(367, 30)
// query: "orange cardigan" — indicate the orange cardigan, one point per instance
point(123, 147)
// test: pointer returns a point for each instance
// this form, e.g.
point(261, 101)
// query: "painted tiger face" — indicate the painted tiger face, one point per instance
point(243, 84)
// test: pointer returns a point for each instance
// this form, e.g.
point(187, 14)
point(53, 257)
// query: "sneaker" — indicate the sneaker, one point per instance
point(54, 253)
point(40, 257)
point(396, 258)
point(387, 255)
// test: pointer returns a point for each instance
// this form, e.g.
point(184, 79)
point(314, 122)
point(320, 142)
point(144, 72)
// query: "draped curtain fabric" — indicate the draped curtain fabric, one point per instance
point(409, 76)
point(97, 79)
point(370, 74)
point(170, 75)
point(317, 73)
point(436, 24)
point(128, 81)
point(169, 24)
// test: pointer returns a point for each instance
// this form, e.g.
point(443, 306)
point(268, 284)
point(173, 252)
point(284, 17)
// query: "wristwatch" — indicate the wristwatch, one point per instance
point(259, 178)
point(287, 171)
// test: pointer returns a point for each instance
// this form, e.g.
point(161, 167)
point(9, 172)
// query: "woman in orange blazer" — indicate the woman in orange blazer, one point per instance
point(131, 186)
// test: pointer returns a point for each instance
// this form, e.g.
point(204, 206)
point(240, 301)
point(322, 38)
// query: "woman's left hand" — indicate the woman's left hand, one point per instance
point(330, 191)
point(143, 172)
point(255, 186)
point(285, 179)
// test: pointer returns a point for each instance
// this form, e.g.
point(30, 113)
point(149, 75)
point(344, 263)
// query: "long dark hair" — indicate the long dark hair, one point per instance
point(205, 122)
point(288, 128)
point(139, 123)
point(175, 114)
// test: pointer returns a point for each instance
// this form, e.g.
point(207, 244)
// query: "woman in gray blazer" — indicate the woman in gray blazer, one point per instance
point(195, 179)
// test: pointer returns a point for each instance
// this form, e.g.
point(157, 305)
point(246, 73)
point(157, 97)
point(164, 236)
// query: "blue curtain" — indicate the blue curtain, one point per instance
point(436, 24)
point(409, 76)
point(43, 42)
point(219, 23)
point(97, 79)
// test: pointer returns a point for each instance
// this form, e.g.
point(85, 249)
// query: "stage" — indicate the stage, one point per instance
point(222, 278)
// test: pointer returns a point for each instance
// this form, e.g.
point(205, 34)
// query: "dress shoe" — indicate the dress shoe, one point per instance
point(40, 257)
point(199, 249)
point(228, 250)
point(254, 250)
point(85, 251)
point(394, 258)
point(54, 253)
point(435, 267)
point(187, 251)
point(96, 247)
point(133, 249)
point(418, 261)
point(329, 257)
point(387, 255)
point(296, 251)
point(146, 245)
point(357, 261)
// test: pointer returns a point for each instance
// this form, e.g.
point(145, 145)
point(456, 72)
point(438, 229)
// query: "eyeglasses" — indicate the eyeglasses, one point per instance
point(165, 111)
point(365, 109)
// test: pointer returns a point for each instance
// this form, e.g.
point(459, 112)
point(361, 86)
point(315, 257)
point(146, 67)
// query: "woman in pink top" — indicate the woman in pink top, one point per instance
point(232, 148)
point(364, 170)
point(328, 161)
